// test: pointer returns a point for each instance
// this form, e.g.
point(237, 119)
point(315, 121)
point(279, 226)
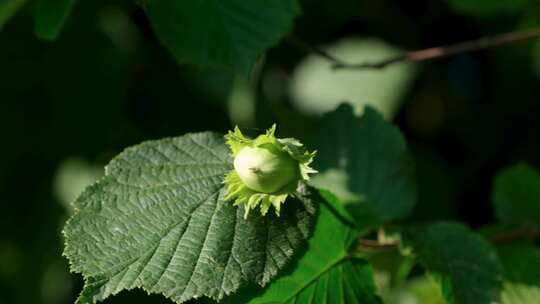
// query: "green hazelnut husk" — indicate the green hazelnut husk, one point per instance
point(266, 170)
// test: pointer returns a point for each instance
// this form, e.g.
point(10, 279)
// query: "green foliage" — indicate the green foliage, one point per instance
point(522, 273)
point(517, 196)
point(326, 273)
point(365, 162)
point(158, 221)
point(8, 8)
point(423, 289)
point(465, 265)
point(50, 16)
point(231, 34)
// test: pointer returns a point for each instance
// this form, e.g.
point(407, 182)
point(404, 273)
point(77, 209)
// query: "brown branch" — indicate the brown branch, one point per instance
point(373, 244)
point(425, 54)
point(527, 233)
point(520, 233)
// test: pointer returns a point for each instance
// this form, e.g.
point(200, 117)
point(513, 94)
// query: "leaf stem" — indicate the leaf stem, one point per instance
point(424, 54)
point(373, 244)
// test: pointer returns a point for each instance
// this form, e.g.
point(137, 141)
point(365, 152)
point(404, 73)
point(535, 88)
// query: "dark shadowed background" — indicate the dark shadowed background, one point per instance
point(68, 106)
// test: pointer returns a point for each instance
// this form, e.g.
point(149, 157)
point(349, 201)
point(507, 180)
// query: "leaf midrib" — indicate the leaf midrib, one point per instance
point(340, 260)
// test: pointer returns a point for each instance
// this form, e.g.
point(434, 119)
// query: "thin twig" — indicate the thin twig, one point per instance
point(425, 54)
point(308, 48)
point(520, 233)
point(376, 244)
point(527, 233)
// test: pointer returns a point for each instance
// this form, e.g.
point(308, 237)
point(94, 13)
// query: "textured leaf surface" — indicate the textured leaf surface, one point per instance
point(231, 33)
point(517, 196)
point(50, 16)
point(366, 163)
point(157, 221)
point(522, 273)
point(465, 265)
point(325, 274)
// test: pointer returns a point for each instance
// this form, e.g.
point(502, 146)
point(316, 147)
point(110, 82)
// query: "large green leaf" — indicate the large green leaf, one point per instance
point(366, 163)
point(517, 196)
point(465, 265)
point(522, 273)
point(50, 16)
point(8, 8)
point(326, 273)
point(158, 221)
point(230, 34)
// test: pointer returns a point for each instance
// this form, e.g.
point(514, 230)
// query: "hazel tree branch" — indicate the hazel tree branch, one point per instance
point(308, 48)
point(422, 55)
point(519, 233)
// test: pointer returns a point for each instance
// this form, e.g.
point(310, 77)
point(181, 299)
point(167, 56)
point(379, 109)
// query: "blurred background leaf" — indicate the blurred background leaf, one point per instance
point(8, 8)
point(522, 273)
point(317, 88)
point(228, 35)
point(517, 196)
point(365, 162)
point(50, 16)
point(420, 290)
point(465, 265)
